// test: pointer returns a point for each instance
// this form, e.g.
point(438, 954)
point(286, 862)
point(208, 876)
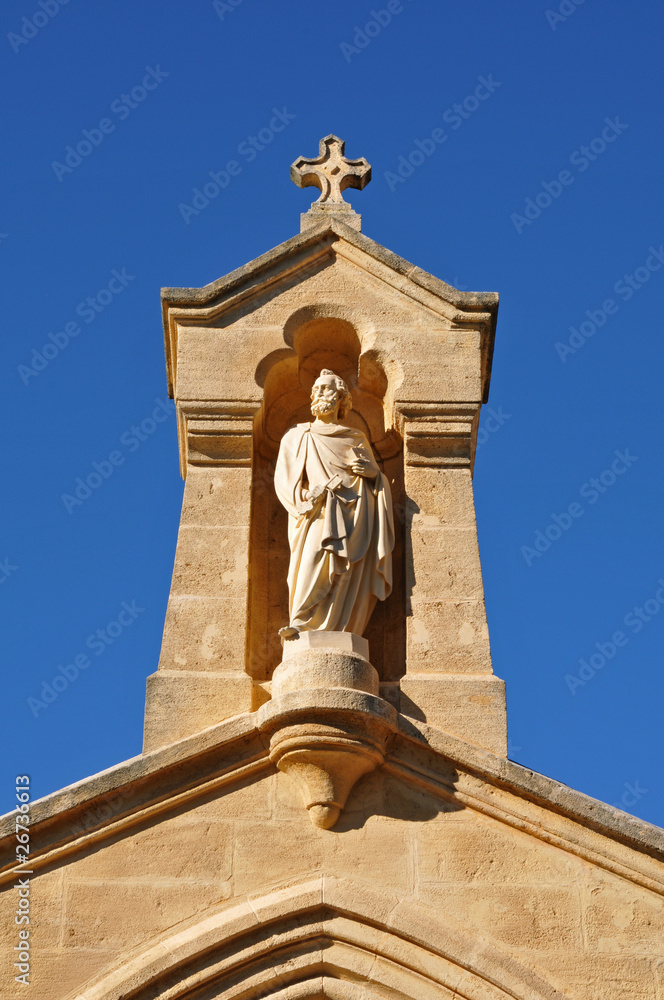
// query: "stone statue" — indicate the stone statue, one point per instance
point(340, 526)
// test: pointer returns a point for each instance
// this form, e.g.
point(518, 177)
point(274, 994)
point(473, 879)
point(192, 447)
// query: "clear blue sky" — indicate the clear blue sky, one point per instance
point(508, 201)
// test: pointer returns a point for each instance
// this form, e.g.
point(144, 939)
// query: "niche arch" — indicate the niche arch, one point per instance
point(316, 336)
point(327, 938)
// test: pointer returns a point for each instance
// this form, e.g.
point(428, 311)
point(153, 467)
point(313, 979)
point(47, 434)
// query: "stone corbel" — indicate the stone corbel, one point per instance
point(326, 724)
point(219, 433)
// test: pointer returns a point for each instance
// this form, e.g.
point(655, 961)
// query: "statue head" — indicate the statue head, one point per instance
point(328, 392)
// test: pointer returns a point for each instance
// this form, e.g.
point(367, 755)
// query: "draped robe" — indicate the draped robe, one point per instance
point(341, 549)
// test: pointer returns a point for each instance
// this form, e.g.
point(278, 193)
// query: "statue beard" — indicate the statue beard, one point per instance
point(321, 406)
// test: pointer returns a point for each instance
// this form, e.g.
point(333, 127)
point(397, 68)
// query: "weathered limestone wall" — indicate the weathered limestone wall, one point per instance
point(404, 854)
point(201, 676)
point(449, 679)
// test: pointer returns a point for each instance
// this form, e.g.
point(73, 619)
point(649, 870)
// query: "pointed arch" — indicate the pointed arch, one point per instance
point(330, 938)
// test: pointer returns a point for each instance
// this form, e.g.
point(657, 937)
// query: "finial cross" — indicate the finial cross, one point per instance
point(331, 172)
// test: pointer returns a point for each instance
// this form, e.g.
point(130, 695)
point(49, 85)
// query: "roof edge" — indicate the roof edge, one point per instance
point(325, 232)
point(203, 295)
point(542, 790)
point(177, 768)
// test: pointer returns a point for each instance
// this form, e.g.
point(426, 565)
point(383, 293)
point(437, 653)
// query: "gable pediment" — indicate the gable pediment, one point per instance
point(298, 260)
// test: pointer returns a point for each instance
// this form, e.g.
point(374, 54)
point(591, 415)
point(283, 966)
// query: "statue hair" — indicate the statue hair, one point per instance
point(346, 400)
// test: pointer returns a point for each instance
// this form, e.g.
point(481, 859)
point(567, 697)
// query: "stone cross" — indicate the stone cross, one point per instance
point(331, 172)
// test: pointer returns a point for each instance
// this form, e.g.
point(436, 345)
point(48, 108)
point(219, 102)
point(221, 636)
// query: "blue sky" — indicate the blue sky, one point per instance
point(546, 188)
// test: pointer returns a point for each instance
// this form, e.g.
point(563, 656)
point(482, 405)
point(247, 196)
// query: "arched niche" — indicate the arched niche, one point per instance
point(320, 336)
point(329, 938)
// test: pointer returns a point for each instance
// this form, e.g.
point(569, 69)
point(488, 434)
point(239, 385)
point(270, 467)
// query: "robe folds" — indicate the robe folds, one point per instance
point(341, 549)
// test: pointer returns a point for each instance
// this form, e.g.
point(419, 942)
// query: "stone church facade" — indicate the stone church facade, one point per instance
point(343, 824)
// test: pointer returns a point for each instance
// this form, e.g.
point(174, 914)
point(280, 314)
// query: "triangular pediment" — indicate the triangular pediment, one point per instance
point(294, 261)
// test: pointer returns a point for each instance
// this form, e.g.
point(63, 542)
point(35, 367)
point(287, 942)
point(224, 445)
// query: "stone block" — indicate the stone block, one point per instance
point(46, 905)
point(120, 914)
point(471, 707)
point(179, 703)
point(249, 797)
point(474, 849)
point(445, 369)
point(443, 563)
point(355, 897)
point(180, 847)
point(211, 562)
point(603, 977)
point(56, 975)
point(623, 919)
point(204, 633)
point(216, 497)
point(377, 852)
point(439, 497)
point(286, 850)
point(209, 370)
point(448, 637)
point(526, 918)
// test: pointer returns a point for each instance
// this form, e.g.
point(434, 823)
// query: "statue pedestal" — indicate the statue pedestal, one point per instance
point(325, 660)
point(326, 723)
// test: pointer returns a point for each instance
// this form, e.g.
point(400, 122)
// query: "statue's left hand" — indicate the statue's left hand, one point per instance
point(363, 467)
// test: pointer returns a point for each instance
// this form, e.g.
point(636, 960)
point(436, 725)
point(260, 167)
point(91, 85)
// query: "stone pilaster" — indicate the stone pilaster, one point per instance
point(201, 678)
point(449, 680)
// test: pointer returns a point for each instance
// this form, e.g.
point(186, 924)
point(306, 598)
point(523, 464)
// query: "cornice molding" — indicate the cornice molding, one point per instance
point(120, 798)
point(438, 435)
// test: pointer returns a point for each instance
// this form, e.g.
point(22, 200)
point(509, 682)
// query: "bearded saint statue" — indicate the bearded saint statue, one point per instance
point(340, 526)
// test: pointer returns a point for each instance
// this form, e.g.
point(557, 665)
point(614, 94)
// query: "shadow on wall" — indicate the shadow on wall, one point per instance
point(382, 793)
